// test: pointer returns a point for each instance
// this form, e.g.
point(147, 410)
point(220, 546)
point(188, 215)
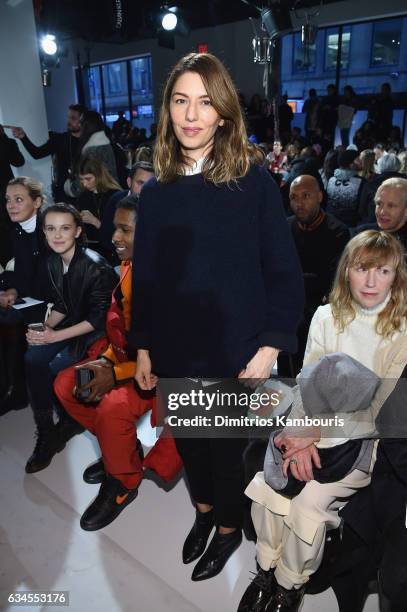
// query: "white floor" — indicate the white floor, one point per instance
point(132, 565)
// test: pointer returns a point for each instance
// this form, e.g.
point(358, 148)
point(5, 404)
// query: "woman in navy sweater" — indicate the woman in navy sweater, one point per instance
point(218, 290)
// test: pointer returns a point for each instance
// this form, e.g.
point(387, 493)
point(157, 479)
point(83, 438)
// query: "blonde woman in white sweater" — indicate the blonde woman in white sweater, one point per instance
point(366, 319)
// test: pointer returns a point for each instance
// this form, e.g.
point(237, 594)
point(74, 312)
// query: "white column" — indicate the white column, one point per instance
point(21, 91)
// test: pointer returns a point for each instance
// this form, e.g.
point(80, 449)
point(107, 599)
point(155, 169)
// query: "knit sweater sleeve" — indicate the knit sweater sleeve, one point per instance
point(316, 342)
point(139, 336)
point(282, 274)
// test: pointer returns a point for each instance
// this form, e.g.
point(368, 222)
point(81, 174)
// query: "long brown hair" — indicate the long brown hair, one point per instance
point(232, 153)
point(367, 159)
point(104, 180)
point(371, 249)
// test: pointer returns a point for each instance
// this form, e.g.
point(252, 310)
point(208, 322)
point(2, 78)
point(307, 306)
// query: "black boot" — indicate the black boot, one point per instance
point(217, 554)
point(95, 473)
point(47, 445)
point(14, 346)
point(258, 592)
point(197, 538)
point(285, 600)
point(112, 498)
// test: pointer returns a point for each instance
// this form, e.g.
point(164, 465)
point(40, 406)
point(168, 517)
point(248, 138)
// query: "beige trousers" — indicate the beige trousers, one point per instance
point(291, 532)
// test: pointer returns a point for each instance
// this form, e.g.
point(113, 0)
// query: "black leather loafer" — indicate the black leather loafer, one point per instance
point(217, 554)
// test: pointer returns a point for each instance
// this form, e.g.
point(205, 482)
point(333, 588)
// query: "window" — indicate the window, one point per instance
point(141, 75)
point(114, 78)
point(115, 89)
point(331, 48)
point(95, 89)
point(303, 56)
point(122, 86)
point(386, 43)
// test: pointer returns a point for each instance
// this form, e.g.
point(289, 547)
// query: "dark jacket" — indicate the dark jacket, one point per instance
point(63, 147)
point(9, 156)
point(96, 203)
point(374, 535)
point(89, 285)
point(319, 251)
point(29, 252)
point(215, 275)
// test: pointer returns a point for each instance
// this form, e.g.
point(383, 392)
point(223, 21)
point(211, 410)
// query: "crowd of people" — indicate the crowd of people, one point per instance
point(223, 251)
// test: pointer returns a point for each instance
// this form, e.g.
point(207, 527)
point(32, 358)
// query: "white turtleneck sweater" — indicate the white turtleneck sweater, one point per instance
point(30, 224)
point(359, 338)
point(385, 356)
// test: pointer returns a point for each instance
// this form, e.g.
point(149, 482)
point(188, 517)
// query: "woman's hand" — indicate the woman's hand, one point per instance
point(8, 298)
point(145, 379)
point(292, 440)
point(301, 464)
point(103, 380)
point(90, 219)
point(259, 367)
point(48, 336)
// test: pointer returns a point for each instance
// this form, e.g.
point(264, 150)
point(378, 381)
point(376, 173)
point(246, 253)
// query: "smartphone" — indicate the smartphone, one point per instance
point(83, 376)
point(36, 326)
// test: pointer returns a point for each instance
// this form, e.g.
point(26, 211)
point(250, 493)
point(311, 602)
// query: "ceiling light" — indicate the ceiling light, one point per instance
point(48, 44)
point(169, 21)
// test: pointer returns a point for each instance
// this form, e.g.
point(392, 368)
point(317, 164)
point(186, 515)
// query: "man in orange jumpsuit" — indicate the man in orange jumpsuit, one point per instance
point(113, 405)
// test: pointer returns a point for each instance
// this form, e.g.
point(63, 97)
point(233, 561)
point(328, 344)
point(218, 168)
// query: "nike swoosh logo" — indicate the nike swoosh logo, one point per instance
point(121, 498)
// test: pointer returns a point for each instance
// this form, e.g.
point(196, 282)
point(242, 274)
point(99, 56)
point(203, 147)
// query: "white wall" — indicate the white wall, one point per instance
point(21, 92)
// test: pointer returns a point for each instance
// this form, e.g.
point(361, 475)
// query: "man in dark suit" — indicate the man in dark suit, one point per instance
point(320, 239)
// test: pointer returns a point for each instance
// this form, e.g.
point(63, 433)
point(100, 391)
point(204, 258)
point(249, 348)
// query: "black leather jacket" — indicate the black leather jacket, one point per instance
point(88, 292)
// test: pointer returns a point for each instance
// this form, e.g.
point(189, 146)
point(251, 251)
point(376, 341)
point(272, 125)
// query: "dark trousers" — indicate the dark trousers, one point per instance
point(214, 468)
point(213, 458)
point(43, 362)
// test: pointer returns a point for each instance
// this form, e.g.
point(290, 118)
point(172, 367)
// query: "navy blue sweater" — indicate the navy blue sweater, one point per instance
point(215, 275)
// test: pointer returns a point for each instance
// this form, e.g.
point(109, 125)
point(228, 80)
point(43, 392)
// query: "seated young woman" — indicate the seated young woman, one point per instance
point(97, 187)
point(24, 198)
point(81, 283)
point(366, 319)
